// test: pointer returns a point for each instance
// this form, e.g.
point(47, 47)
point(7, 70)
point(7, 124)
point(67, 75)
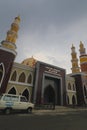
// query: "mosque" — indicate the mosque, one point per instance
point(40, 82)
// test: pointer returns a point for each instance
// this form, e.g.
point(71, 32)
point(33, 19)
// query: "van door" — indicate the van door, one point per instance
point(23, 104)
point(15, 100)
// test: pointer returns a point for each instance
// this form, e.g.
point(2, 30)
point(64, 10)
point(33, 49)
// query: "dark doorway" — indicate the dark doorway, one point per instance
point(67, 100)
point(49, 95)
point(26, 94)
point(73, 100)
point(52, 92)
point(12, 91)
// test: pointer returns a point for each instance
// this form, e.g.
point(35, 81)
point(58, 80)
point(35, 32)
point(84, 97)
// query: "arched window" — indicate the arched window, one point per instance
point(1, 72)
point(85, 93)
point(22, 77)
point(26, 94)
point(12, 91)
point(73, 87)
point(14, 75)
point(29, 79)
point(69, 86)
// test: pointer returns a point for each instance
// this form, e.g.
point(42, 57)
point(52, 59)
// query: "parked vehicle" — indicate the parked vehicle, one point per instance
point(9, 102)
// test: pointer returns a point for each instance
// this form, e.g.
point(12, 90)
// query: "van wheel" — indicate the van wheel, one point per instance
point(29, 110)
point(7, 111)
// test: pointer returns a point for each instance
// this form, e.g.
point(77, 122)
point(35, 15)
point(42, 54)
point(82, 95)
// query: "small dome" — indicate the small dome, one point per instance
point(30, 62)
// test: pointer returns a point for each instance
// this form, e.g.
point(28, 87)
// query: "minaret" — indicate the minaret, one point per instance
point(83, 58)
point(12, 35)
point(75, 68)
point(8, 54)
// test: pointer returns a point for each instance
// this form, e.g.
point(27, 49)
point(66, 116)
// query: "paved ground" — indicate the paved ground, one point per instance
point(59, 110)
point(61, 118)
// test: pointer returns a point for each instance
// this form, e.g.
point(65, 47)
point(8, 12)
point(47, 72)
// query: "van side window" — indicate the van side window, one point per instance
point(23, 99)
point(15, 98)
point(7, 98)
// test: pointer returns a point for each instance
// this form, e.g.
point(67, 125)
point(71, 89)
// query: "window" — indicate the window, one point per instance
point(23, 99)
point(22, 77)
point(69, 86)
point(26, 94)
point(10, 98)
point(12, 91)
point(7, 98)
point(14, 75)
point(29, 79)
point(15, 98)
point(73, 87)
point(1, 72)
point(1, 75)
point(85, 93)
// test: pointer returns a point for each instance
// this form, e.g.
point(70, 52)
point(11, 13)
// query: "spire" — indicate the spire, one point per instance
point(83, 58)
point(12, 35)
point(82, 49)
point(75, 67)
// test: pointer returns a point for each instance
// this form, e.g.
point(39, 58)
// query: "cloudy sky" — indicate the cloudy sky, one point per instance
point(48, 28)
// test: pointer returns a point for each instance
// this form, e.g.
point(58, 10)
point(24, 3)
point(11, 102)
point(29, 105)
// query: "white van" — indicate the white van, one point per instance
point(9, 102)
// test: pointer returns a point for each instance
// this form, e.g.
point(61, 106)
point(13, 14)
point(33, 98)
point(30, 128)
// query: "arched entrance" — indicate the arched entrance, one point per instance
point(1, 72)
point(73, 100)
point(26, 94)
point(12, 91)
point(85, 93)
point(49, 94)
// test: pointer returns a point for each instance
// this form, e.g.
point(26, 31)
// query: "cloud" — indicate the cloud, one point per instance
point(47, 29)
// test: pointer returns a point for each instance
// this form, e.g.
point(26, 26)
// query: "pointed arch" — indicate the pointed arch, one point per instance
point(14, 75)
point(12, 91)
point(2, 72)
point(85, 92)
point(73, 100)
point(69, 86)
point(74, 87)
point(29, 80)
point(49, 94)
point(26, 93)
point(22, 77)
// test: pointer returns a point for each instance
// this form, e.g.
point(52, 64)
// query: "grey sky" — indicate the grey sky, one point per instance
point(47, 29)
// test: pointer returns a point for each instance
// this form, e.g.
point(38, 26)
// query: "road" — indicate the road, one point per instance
point(76, 120)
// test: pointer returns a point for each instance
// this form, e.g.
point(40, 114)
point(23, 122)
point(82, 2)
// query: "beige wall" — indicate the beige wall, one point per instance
point(19, 86)
point(71, 91)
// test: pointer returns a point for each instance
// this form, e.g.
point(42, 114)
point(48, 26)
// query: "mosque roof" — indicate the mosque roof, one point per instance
point(30, 62)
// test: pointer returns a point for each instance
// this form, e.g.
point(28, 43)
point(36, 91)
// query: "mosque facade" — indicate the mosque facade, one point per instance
point(40, 82)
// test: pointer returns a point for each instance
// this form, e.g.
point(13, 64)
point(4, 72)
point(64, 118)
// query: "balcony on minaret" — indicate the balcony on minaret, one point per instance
point(12, 35)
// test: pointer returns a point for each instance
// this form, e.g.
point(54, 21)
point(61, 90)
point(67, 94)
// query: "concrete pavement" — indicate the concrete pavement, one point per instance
point(59, 110)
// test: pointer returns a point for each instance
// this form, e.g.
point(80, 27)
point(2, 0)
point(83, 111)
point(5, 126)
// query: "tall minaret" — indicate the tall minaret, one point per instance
point(75, 68)
point(8, 54)
point(83, 58)
point(12, 35)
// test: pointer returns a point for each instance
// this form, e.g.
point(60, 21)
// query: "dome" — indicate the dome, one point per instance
point(30, 62)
